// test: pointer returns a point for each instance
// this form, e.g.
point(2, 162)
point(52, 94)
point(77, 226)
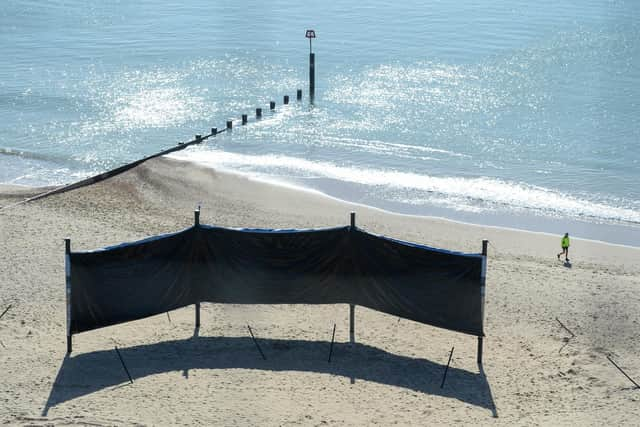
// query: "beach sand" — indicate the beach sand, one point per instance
point(533, 373)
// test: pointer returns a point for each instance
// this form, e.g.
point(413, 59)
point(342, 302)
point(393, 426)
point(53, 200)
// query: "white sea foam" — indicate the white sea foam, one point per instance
point(469, 194)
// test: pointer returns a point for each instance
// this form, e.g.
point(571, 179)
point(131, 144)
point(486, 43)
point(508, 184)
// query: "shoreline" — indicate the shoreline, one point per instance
point(621, 232)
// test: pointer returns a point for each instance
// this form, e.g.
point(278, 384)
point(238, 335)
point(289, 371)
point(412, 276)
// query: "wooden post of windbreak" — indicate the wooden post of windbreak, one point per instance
point(483, 279)
point(352, 307)
point(67, 273)
point(196, 215)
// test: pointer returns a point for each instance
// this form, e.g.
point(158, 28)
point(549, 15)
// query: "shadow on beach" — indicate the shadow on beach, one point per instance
point(87, 373)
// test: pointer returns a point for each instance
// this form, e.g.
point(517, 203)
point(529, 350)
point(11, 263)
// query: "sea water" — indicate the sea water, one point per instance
point(511, 113)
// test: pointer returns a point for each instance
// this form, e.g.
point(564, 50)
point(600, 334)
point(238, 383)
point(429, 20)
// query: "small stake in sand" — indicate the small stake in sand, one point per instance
point(444, 377)
point(565, 328)
point(623, 372)
point(123, 365)
point(256, 342)
point(333, 336)
point(168, 317)
point(5, 310)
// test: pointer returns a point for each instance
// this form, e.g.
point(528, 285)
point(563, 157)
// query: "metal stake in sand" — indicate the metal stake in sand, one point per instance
point(352, 307)
point(623, 372)
point(333, 336)
point(123, 365)
point(5, 310)
point(444, 377)
point(483, 281)
point(256, 343)
point(565, 328)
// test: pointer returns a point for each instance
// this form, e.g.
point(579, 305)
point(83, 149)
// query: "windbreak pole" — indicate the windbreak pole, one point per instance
point(67, 270)
point(196, 215)
point(352, 307)
point(483, 279)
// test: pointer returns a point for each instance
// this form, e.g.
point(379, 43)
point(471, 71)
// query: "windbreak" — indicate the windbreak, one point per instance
point(327, 266)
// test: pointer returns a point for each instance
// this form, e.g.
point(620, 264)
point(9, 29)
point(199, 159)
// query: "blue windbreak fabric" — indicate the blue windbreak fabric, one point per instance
point(328, 266)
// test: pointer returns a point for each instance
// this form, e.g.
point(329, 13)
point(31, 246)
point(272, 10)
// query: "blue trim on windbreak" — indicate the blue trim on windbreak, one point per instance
point(419, 246)
point(273, 230)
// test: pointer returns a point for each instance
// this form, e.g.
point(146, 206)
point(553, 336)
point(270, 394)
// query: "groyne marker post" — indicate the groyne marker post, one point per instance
point(258, 113)
point(299, 94)
point(285, 100)
point(196, 215)
point(311, 34)
point(67, 271)
point(483, 279)
point(244, 119)
point(352, 307)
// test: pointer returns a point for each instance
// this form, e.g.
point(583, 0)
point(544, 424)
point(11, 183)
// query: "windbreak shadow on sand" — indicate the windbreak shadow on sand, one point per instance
point(83, 374)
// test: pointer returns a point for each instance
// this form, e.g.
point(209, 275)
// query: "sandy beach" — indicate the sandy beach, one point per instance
point(534, 371)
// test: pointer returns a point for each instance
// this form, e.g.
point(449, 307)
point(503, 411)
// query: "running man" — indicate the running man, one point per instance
point(565, 247)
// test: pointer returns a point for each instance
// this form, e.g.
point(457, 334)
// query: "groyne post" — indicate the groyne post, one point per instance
point(312, 75)
point(198, 139)
point(244, 119)
point(285, 100)
point(299, 94)
point(272, 105)
point(214, 131)
point(229, 124)
point(483, 278)
point(67, 270)
point(258, 113)
point(311, 34)
point(352, 307)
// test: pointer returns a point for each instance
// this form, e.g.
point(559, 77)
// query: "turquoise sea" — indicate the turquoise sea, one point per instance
point(512, 113)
